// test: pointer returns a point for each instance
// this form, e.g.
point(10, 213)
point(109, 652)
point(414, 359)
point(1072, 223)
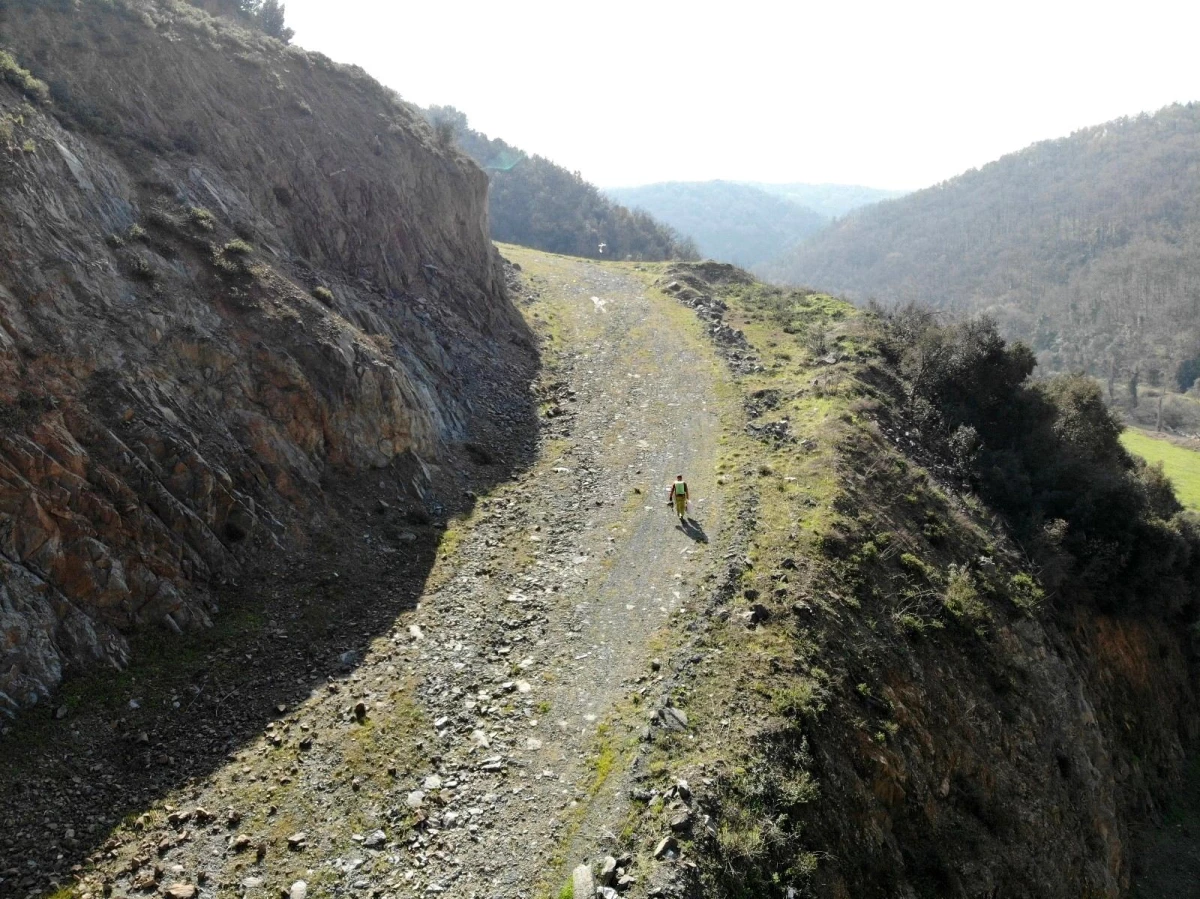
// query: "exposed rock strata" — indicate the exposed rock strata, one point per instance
point(227, 269)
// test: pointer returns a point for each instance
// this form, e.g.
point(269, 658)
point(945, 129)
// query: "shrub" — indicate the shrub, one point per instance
point(201, 218)
point(11, 71)
point(237, 247)
point(1024, 591)
point(1037, 452)
point(443, 130)
point(324, 294)
point(961, 597)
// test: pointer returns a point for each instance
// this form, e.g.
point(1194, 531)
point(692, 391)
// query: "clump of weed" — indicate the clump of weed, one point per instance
point(1025, 592)
point(915, 566)
point(962, 597)
point(324, 294)
point(803, 700)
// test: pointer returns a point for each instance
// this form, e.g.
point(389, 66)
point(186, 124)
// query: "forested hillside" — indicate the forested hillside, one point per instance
point(730, 222)
point(535, 203)
point(1087, 247)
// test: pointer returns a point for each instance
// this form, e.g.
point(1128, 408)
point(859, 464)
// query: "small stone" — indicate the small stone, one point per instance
point(240, 843)
point(299, 890)
point(360, 711)
point(180, 891)
point(582, 883)
point(377, 840)
point(606, 893)
point(667, 846)
point(608, 870)
point(415, 799)
point(625, 881)
point(432, 782)
point(60, 713)
point(683, 790)
point(681, 822)
point(298, 841)
point(673, 718)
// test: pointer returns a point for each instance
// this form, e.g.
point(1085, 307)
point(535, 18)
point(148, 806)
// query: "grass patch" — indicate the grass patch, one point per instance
point(1180, 464)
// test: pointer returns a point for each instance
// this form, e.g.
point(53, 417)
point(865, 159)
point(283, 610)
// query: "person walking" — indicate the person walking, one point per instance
point(679, 496)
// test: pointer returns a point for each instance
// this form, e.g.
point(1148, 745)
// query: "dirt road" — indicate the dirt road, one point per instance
point(481, 744)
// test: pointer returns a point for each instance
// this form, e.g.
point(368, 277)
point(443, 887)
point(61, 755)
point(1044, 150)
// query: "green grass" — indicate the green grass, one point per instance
point(1181, 465)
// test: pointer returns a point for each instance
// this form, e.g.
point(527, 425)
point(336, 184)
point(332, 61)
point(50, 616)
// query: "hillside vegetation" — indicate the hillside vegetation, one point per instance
point(1086, 247)
point(535, 203)
point(729, 222)
point(960, 631)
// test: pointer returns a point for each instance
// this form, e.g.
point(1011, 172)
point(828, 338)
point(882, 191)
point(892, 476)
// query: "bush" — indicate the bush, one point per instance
point(324, 294)
point(12, 72)
point(237, 247)
point(201, 218)
point(1043, 454)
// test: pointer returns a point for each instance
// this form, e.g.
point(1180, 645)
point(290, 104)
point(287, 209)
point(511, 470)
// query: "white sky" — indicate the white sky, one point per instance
point(888, 94)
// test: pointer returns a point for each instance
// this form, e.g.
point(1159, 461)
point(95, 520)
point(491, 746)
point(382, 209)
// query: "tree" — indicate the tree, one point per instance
point(270, 18)
point(265, 15)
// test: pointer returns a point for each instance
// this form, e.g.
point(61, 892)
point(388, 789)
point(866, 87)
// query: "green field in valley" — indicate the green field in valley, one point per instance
point(1182, 465)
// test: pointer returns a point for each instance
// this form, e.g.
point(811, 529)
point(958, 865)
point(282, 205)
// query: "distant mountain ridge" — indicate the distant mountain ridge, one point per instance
point(748, 224)
point(1087, 247)
point(729, 222)
point(830, 200)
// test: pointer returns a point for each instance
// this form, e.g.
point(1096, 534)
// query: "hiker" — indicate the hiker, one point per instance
point(679, 496)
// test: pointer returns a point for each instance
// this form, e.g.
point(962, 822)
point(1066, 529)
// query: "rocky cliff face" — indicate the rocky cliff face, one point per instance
point(228, 271)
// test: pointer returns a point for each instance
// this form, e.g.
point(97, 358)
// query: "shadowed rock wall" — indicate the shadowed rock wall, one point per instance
point(228, 269)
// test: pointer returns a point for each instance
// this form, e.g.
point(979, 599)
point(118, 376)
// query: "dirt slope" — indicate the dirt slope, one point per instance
point(498, 718)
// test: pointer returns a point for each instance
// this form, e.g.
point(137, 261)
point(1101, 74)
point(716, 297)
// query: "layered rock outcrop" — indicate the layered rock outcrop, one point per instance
point(228, 269)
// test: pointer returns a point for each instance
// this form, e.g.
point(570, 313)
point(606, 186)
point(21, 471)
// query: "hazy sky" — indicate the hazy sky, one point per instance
point(895, 94)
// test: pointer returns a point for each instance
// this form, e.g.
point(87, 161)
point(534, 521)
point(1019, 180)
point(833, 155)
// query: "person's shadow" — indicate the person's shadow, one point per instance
point(692, 528)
